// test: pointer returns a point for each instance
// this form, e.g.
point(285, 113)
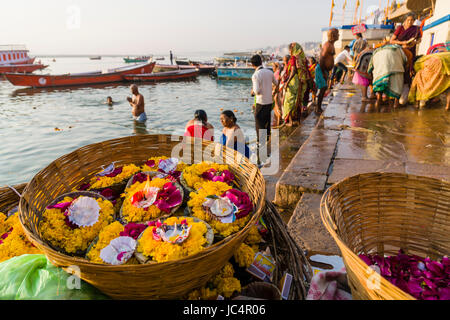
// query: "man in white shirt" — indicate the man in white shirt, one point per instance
point(339, 65)
point(262, 79)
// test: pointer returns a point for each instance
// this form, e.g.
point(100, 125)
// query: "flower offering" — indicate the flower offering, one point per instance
point(166, 166)
point(176, 238)
point(73, 223)
point(112, 175)
point(227, 210)
point(13, 241)
point(197, 174)
point(151, 199)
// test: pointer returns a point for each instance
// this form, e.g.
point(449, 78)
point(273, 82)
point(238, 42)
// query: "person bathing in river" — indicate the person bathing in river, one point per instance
point(109, 101)
point(232, 135)
point(137, 103)
point(326, 63)
point(199, 127)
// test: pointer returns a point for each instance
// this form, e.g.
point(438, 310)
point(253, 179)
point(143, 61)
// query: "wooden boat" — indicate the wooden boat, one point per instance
point(187, 74)
point(14, 54)
point(137, 59)
point(203, 68)
point(21, 68)
point(77, 79)
point(170, 67)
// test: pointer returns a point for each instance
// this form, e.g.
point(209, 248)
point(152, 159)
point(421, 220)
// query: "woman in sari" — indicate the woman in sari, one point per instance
point(407, 35)
point(432, 79)
point(296, 84)
point(361, 77)
point(387, 66)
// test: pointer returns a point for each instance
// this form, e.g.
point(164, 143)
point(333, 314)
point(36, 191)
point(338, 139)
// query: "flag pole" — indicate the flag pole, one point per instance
point(331, 12)
point(360, 11)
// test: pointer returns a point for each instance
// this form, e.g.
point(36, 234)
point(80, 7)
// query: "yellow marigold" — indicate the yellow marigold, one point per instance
point(253, 237)
point(244, 256)
point(227, 286)
point(57, 232)
point(4, 225)
point(204, 293)
point(210, 290)
point(161, 251)
point(227, 271)
point(134, 214)
point(193, 174)
point(103, 182)
point(16, 244)
point(145, 168)
point(217, 188)
point(108, 233)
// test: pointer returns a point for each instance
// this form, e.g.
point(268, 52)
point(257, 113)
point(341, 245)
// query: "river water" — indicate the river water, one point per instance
point(39, 125)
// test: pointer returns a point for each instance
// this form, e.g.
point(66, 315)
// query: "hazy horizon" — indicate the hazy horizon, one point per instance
point(139, 27)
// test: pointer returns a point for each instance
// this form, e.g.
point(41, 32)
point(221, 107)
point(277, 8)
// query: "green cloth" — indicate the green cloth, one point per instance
point(387, 66)
point(33, 277)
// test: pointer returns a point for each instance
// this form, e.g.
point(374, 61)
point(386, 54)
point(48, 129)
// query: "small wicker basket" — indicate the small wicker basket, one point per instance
point(380, 213)
point(170, 280)
point(9, 199)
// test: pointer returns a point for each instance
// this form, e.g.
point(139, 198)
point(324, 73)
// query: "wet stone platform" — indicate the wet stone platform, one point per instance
point(352, 138)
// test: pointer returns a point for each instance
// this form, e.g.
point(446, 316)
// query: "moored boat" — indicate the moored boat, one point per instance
point(14, 54)
point(21, 68)
point(96, 58)
point(203, 68)
point(170, 67)
point(187, 74)
point(137, 59)
point(77, 79)
point(235, 73)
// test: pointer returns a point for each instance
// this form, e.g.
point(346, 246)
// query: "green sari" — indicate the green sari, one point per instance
point(296, 88)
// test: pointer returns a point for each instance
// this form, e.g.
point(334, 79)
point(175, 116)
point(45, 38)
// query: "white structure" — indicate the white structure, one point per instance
point(14, 54)
point(375, 33)
point(437, 28)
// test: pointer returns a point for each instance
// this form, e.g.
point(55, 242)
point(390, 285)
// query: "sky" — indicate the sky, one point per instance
point(157, 26)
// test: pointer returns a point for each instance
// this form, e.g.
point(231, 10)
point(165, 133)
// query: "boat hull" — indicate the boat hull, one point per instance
point(164, 76)
point(21, 68)
point(228, 73)
point(43, 81)
point(203, 68)
point(169, 67)
point(129, 60)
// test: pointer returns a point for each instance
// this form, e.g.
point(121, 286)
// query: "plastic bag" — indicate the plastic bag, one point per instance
point(33, 277)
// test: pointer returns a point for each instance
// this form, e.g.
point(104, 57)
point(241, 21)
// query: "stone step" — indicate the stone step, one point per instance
point(308, 170)
point(307, 229)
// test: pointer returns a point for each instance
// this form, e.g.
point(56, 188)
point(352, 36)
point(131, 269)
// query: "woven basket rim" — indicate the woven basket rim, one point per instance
point(82, 262)
point(329, 224)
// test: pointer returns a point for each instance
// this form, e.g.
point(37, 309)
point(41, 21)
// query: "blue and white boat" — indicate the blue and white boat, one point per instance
point(235, 73)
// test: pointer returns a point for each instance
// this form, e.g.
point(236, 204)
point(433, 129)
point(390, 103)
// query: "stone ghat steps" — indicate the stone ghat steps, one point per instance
point(341, 145)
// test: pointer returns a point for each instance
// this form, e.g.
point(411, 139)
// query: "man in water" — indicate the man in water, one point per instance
point(326, 63)
point(137, 103)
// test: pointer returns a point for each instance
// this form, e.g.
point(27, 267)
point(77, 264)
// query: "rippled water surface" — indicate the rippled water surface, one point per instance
point(29, 117)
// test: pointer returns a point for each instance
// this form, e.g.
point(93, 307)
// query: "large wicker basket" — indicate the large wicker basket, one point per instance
point(169, 280)
point(380, 213)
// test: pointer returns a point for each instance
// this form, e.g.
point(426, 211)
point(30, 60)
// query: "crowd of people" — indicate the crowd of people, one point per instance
point(386, 71)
